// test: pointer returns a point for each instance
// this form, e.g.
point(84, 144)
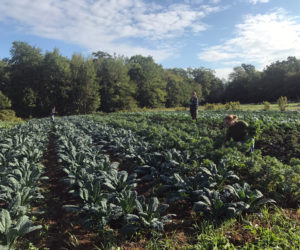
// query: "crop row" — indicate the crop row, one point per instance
point(108, 194)
point(204, 140)
point(22, 149)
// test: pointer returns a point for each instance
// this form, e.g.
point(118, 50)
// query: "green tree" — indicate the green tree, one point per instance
point(4, 75)
point(243, 84)
point(174, 89)
point(25, 72)
point(55, 87)
point(291, 86)
point(116, 89)
point(183, 89)
point(282, 78)
point(29, 100)
point(211, 86)
point(84, 95)
point(5, 103)
point(149, 79)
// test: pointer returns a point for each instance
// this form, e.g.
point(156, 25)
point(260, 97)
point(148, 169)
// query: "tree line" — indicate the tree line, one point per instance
point(34, 82)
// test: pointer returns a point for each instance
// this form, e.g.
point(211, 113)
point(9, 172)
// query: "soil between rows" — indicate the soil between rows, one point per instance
point(60, 230)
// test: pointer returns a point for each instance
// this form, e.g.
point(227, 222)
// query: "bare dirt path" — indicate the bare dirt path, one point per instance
point(59, 227)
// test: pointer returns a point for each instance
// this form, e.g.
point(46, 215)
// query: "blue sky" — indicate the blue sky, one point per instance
point(215, 34)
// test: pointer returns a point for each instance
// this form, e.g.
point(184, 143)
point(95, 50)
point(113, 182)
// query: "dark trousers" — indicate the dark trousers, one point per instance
point(194, 113)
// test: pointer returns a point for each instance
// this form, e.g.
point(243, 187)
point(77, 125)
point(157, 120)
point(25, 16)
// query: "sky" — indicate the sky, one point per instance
point(214, 34)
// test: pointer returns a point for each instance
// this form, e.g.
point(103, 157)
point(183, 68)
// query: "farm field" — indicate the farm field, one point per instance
point(151, 180)
point(295, 106)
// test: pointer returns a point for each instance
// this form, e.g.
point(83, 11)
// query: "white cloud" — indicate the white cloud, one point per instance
point(223, 73)
point(108, 25)
point(258, 1)
point(260, 40)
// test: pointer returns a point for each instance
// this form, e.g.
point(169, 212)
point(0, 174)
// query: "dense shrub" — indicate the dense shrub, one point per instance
point(4, 101)
point(9, 115)
point(220, 106)
point(214, 106)
point(233, 105)
point(266, 105)
point(282, 103)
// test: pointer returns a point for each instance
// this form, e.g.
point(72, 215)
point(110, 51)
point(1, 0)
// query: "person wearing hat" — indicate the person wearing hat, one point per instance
point(194, 106)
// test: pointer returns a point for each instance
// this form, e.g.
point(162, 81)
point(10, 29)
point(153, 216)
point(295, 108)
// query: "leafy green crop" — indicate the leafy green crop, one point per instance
point(148, 216)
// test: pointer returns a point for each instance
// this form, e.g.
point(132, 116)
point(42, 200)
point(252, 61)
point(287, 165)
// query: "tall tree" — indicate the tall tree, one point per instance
point(180, 87)
point(116, 89)
point(25, 72)
point(149, 78)
point(208, 81)
point(243, 84)
point(4, 75)
point(29, 100)
point(174, 90)
point(5, 103)
point(84, 95)
point(275, 76)
point(55, 87)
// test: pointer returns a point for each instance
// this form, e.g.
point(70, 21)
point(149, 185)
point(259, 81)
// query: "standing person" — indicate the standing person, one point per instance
point(52, 114)
point(194, 106)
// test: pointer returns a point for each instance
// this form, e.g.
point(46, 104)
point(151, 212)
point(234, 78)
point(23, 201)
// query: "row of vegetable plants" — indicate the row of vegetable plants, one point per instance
point(182, 161)
point(205, 140)
point(21, 173)
point(213, 190)
point(210, 123)
point(107, 194)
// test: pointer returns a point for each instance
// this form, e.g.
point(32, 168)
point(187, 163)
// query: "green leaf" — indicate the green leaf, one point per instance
point(200, 206)
point(5, 221)
point(140, 203)
point(231, 211)
point(70, 208)
point(131, 217)
point(265, 201)
point(153, 204)
point(24, 226)
point(206, 171)
point(109, 186)
point(129, 229)
point(145, 222)
point(157, 225)
point(123, 176)
point(84, 194)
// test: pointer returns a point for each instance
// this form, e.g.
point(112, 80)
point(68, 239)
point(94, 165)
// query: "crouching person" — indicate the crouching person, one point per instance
point(238, 131)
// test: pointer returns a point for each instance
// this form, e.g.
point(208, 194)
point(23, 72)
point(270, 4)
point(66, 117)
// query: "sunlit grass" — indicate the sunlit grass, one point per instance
point(273, 107)
point(243, 107)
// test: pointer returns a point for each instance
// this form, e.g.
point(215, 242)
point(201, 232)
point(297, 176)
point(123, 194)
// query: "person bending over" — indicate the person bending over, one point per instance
point(237, 130)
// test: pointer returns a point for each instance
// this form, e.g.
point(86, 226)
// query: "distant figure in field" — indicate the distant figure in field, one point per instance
point(194, 106)
point(237, 130)
point(53, 112)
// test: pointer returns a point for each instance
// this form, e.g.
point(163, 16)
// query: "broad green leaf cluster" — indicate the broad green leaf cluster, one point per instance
point(21, 150)
point(107, 193)
point(209, 179)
